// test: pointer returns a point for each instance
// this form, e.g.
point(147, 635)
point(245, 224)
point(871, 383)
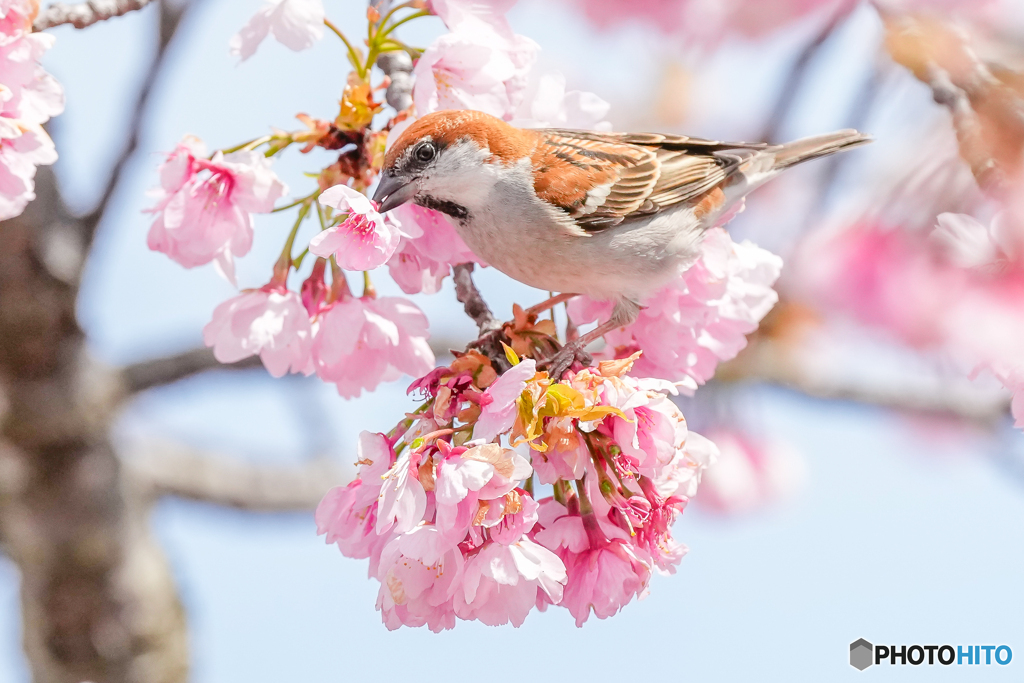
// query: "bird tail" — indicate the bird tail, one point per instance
point(799, 151)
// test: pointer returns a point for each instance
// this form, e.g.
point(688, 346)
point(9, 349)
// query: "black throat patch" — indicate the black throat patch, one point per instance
point(452, 209)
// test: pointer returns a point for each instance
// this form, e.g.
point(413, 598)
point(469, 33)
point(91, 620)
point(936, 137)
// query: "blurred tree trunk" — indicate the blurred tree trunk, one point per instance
point(98, 601)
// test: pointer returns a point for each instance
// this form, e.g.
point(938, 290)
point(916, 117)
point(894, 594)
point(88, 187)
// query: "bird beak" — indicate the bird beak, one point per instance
point(393, 191)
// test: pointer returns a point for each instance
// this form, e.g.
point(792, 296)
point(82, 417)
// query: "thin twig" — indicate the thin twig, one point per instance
point(798, 72)
point(85, 14)
point(167, 469)
point(170, 18)
point(469, 296)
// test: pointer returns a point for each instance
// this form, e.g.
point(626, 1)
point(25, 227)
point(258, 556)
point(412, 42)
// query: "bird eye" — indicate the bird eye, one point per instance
point(425, 152)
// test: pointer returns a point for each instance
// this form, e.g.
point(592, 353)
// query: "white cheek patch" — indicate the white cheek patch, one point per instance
point(461, 174)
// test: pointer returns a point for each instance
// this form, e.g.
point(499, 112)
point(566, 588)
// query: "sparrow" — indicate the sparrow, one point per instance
point(613, 216)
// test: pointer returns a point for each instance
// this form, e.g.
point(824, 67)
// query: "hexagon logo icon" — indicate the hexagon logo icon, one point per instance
point(861, 654)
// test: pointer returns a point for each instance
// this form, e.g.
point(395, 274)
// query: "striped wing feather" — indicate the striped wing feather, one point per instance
point(603, 179)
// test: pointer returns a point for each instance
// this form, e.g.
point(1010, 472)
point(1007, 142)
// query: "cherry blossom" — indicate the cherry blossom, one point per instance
point(604, 573)
point(968, 243)
point(348, 514)
point(651, 430)
point(29, 93)
point(297, 24)
point(29, 97)
point(16, 16)
point(455, 13)
point(500, 583)
point(419, 577)
point(270, 322)
point(750, 473)
point(364, 240)
point(402, 500)
point(23, 147)
point(359, 343)
point(474, 67)
point(428, 248)
point(462, 535)
point(565, 459)
point(467, 482)
point(204, 206)
point(498, 405)
point(686, 329)
point(547, 105)
point(682, 476)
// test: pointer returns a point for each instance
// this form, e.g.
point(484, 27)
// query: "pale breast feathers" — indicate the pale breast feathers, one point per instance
point(603, 179)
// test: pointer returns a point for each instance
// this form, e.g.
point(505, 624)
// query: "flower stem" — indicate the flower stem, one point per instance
point(404, 425)
point(297, 261)
point(558, 491)
point(391, 12)
point(295, 203)
point(427, 438)
point(255, 142)
point(415, 15)
point(581, 490)
point(353, 54)
point(368, 289)
point(284, 263)
point(339, 285)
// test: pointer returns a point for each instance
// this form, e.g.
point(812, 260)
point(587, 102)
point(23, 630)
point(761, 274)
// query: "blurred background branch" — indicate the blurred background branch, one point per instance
point(161, 468)
point(169, 369)
point(170, 17)
point(84, 14)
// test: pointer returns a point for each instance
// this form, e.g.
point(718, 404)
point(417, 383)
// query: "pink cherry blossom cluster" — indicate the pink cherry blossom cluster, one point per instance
point(445, 508)
point(205, 205)
point(482, 64)
point(958, 290)
point(29, 97)
point(686, 329)
point(353, 342)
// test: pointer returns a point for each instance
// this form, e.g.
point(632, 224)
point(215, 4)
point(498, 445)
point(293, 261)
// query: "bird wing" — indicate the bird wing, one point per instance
point(603, 179)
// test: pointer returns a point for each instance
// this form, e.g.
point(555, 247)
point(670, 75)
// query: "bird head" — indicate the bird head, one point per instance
point(449, 158)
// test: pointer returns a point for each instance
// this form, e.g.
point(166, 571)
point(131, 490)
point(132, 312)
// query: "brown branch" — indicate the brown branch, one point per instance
point(988, 114)
point(85, 14)
point(170, 18)
point(969, 129)
point(471, 299)
point(491, 330)
point(164, 469)
point(160, 371)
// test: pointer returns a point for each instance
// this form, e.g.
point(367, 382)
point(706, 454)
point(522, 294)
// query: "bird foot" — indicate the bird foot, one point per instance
point(573, 351)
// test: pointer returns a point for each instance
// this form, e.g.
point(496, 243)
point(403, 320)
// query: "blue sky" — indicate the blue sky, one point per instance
point(907, 531)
